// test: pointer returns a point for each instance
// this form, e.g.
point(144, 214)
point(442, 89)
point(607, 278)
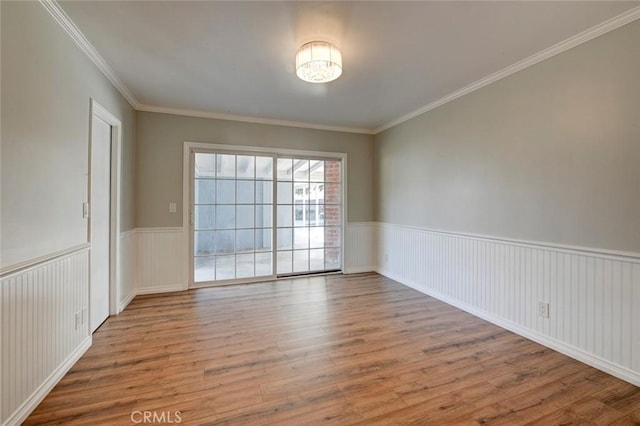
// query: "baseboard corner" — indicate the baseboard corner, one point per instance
point(125, 302)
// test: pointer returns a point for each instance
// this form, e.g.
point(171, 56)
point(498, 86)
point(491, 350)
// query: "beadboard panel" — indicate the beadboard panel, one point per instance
point(40, 339)
point(594, 298)
point(360, 247)
point(159, 260)
point(127, 268)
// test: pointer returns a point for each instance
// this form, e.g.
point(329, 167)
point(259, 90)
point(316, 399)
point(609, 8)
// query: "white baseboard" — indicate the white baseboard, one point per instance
point(161, 289)
point(149, 290)
point(564, 348)
point(359, 269)
point(125, 302)
point(43, 390)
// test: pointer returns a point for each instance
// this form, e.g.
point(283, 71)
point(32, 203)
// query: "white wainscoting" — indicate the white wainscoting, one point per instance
point(40, 338)
point(159, 260)
point(594, 296)
point(158, 263)
point(127, 268)
point(360, 247)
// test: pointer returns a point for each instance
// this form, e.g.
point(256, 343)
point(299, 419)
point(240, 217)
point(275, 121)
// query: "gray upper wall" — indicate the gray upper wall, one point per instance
point(549, 154)
point(47, 84)
point(159, 151)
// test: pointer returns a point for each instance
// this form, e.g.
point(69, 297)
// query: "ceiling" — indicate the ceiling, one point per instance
point(236, 59)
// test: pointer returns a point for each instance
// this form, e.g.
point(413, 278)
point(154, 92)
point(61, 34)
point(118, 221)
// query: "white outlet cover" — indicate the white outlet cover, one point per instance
point(543, 309)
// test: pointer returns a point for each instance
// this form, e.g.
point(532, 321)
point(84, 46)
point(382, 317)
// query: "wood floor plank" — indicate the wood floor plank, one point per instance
point(534, 404)
point(358, 349)
point(622, 396)
point(631, 419)
point(586, 411)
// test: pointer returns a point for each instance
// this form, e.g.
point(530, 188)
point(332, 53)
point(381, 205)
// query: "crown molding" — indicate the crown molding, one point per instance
point(74, 32)
point(61, 17)
point(576, 40)
point(249, 119)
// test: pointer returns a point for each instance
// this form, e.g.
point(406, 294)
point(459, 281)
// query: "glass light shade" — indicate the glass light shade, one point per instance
point(318, 62)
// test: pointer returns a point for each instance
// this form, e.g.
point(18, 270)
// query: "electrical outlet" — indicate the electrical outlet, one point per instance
point(543, 309)
point(77, 325)
point(85, 210)
point(172, 207)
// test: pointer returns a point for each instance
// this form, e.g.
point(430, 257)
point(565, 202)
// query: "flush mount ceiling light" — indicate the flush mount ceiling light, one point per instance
point(318, 62)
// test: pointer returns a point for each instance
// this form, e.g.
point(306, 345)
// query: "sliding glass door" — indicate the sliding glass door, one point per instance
point(309, 216)
point(255, 217)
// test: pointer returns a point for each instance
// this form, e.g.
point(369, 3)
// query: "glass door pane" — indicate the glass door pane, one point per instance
point(232, 223)
point(309, 216)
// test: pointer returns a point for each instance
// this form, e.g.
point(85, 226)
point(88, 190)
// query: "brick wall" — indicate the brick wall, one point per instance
point(332, 219)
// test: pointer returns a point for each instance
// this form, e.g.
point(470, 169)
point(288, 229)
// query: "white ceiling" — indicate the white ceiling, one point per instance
point(237, 58)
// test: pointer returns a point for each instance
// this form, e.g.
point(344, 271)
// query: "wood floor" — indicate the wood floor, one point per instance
point(335, 350)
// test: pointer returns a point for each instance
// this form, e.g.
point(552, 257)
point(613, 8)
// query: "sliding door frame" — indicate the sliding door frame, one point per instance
point(189, 150)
